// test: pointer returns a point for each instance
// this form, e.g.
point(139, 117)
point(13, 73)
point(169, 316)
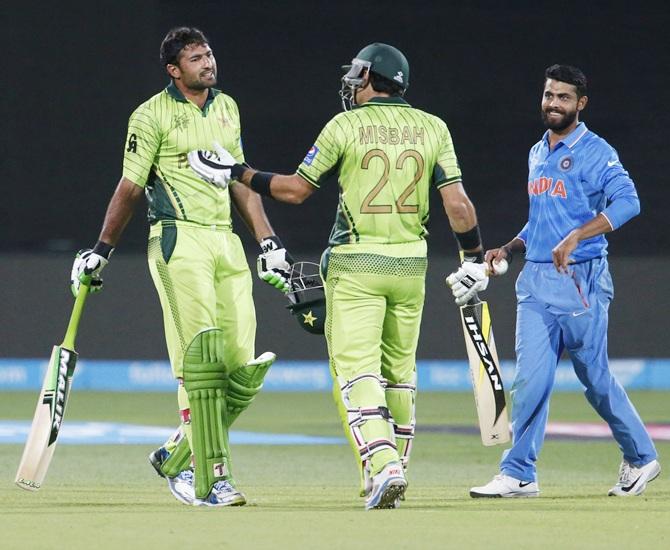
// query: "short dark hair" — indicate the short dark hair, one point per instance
point(384, 85)
point(568, 73)
point(176, 40)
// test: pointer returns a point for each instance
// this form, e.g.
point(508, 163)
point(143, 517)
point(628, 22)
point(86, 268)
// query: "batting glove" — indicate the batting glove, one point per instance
point(465, 283)
point(87, 264)
point(214, 168)
point(274, 264)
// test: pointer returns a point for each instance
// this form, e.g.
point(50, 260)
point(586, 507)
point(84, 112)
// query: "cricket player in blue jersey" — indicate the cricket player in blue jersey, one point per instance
point(578, 191)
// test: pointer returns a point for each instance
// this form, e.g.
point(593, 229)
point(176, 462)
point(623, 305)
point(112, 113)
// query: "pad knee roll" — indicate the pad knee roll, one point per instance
point(245, 383)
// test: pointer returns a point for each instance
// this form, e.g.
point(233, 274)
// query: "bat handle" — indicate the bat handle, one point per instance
point(75, 317)
point(474, 300)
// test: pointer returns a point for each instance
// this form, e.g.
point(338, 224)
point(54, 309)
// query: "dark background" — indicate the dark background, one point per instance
point(75, 71)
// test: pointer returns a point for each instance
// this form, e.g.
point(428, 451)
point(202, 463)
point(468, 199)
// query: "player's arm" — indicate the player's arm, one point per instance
point(622, 199)
point(472, 276)
point(90, 262)
point(274, 262)
point(293, 189)
point(462, 218)
point(119, 211)
point(250, 208)
point(592, 228)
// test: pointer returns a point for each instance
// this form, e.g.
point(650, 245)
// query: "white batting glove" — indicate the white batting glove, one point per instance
point(465, 283)
point(214, 168)
point(274, 264)
point(87, 264)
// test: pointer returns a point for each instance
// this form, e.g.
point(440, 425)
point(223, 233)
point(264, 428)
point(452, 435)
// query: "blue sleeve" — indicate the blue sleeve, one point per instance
point(617, 186)
point(523, 234)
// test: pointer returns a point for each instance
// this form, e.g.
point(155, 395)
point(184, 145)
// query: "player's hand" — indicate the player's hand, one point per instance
point(560, 254)
point(87, 264)
point(214, 168)
point(274, 264)
point(467, 281)
point(497, 260)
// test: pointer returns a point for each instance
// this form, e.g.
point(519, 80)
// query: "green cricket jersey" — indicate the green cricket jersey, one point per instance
point(387, 155)
point(161, 132)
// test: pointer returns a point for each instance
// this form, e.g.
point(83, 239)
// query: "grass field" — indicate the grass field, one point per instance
point(306, 497)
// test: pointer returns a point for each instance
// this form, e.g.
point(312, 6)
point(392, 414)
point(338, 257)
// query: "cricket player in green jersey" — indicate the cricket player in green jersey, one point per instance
point(387, 155)
point(197, 264)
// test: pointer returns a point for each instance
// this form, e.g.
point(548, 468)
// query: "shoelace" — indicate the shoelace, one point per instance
point(625, 473)
point(224, 487)
point(187, 475)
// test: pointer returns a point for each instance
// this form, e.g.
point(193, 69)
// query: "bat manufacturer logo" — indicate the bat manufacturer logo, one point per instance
point(486, 358)
point(60, 394)
point(484, 352)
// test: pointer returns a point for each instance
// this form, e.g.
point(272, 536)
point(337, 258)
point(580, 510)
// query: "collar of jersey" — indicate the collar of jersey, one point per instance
point(383, 100)
point(176, 94)
point(572, 138)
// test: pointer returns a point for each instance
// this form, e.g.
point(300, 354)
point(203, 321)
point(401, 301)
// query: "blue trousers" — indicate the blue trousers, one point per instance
point(557, 312)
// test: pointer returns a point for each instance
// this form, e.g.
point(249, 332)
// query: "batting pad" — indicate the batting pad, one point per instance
point(205, 381)
point(400, 399)
point(245, 383)
point(179, 459)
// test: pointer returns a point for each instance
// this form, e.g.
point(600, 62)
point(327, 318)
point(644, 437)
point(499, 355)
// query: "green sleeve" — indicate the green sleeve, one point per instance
point(142, 144)
point(236, 149)
point(447, 170)
point(323, 157)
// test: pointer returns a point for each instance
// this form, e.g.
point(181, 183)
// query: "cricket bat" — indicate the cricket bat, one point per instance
point(50, 410)
point(485, 372)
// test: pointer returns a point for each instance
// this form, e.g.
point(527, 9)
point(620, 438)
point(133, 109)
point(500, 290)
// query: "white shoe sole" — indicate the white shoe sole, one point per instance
point(529, 494)
point(638, 486)
point(238, 500)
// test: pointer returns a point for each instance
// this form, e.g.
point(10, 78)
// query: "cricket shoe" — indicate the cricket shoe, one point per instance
point(222, 494)
point(502, 486)
point(156, 459)
point(183, 487)
point(388, 486)
point(633, 481)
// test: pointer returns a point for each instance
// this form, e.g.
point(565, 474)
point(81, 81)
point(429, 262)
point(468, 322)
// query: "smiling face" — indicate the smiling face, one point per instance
point(561, 105)
point(195, 69)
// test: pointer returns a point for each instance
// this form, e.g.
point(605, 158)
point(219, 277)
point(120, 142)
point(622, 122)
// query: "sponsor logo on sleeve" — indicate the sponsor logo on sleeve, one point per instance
point(311, 155)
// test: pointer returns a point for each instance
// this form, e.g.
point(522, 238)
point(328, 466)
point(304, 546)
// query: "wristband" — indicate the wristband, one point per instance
point(260, 183)
point(470, 239)
point(103, 249)
point(237, 171)
point(270, 243)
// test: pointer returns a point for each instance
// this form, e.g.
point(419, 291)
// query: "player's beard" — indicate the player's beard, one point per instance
point(202, 82)
point(560, 124)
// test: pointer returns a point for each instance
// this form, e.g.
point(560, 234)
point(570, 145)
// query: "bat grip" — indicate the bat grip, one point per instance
point(474, 300)
point(75, 317)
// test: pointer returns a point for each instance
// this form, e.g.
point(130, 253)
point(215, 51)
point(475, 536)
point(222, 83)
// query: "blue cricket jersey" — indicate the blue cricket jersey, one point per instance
point(569, 186)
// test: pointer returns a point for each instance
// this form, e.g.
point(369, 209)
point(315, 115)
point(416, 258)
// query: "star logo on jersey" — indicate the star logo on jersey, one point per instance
point(223, 119)
point(180, 122)
point(309, 318)
point(565, 163)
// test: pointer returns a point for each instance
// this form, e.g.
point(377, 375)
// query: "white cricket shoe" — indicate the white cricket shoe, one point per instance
point(183, 486)
point(506, 487)
point(633, 481)
point(222, 494)
point(388, 486)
